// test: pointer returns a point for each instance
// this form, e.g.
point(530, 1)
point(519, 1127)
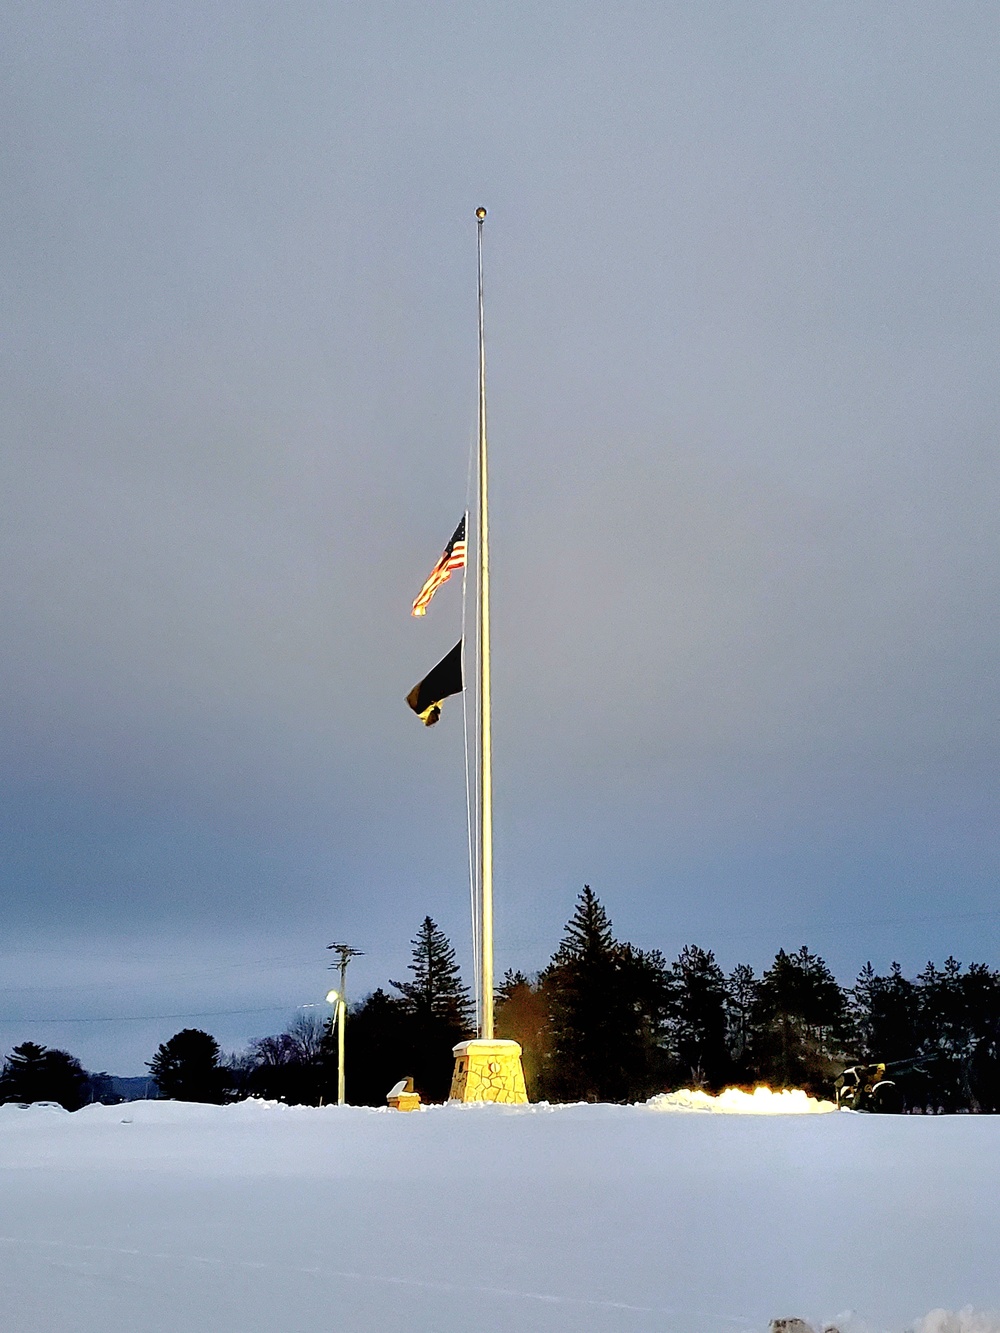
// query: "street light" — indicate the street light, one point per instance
point(344, 954)
point(339, 1018)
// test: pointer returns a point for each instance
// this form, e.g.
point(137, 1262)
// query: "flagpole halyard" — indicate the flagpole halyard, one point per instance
point(471, 779)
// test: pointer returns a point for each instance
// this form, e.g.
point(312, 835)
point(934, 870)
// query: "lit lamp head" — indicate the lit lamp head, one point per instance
point(481, 214)
point(333, 997)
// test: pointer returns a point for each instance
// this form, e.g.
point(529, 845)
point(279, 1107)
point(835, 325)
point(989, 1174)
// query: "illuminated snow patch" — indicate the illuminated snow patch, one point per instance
point(762, 1101)
point(961, 1321)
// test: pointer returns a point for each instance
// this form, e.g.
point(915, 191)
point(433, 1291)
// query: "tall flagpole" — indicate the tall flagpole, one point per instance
point(485, 729)
point(486, 1069)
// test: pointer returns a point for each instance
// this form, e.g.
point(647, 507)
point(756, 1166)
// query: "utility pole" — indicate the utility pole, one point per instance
point(344, 954)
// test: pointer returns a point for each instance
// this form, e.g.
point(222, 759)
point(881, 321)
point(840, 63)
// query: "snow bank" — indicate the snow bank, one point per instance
point(964, 1321)
point(937, 1321)
point(31, 1108)
point(614, 1219)
point(733, 1101)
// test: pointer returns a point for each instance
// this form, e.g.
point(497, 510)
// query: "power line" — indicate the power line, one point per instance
point(152, 1018)
point(188, 974)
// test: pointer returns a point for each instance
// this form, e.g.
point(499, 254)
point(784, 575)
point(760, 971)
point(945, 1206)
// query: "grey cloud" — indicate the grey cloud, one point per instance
point(742, 311)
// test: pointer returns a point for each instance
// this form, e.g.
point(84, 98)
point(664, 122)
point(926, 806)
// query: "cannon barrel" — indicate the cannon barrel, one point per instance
point(906, 1066)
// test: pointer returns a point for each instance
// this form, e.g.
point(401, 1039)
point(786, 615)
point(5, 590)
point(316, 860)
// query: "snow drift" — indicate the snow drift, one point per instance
point(257, 1217)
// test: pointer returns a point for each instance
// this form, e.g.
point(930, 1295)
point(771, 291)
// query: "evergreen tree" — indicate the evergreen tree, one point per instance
point(981, 1073)
point(33, 1073)
point(381, 1048)
point(187, 1069)
point(861, 1002)
point(960, 1034)
point(512, 982)
point(647, 996)
point(885, 1015)
point(741, 997)
point(801, 1023)
point(581, 983)
point(698, 1018)
point(436, 991)
point(607, 1003)
point(439, 1009)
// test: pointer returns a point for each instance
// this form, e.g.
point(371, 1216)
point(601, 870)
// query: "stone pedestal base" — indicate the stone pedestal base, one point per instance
point(405, 1101)
point(401, 1096)
point(488, 1071)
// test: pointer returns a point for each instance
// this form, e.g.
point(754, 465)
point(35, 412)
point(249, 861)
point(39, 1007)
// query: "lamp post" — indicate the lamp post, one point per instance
point(340, 1019)
point(344, 955)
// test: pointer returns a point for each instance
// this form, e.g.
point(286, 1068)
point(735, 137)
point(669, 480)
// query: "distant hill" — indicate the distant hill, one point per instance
point(140, 1088)
point(110, 1088)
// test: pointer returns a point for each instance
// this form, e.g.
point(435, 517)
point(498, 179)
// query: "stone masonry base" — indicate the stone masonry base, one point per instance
point(488, 1071)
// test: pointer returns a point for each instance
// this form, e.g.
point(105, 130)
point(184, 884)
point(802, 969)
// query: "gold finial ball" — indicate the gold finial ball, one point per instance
point(481, 214)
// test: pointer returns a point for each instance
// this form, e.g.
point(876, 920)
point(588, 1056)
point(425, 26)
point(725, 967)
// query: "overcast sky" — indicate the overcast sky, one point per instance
point(742, 280)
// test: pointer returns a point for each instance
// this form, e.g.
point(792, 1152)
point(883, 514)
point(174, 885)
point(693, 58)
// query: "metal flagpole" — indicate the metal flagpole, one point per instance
point(487, 1069)
point(485, 732)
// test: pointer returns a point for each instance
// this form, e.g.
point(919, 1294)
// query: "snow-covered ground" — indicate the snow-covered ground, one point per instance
point(162, 1217)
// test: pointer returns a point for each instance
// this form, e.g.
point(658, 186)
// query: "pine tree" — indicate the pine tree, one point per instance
point(741, 996)
point(512, 982)
point(22, 1074)
point(698, 1018)
point(581, 985)
point(646, 1005)
point(436, 991)
point(588, 935)
point(862, 1001)
point(982, 1070)
point(438, 1007)
point(959, 1017)
point(885, 1015)
point(607, 1002)
point(33, 1073)
point(186, 1068)
point(381, 1048)
point(800, 1021)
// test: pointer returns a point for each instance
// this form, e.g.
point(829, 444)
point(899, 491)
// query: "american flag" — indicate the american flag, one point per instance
point(453, 557)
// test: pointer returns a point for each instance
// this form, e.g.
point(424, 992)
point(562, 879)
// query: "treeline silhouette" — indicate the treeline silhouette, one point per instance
point(603, 1021)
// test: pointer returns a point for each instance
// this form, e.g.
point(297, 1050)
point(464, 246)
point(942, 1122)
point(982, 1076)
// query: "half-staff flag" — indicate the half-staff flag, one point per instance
point(441, 681)
point(452, 558)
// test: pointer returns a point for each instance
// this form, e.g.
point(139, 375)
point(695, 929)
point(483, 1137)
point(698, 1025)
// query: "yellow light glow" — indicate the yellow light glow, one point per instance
point(332, 996)
point(734, 1101)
